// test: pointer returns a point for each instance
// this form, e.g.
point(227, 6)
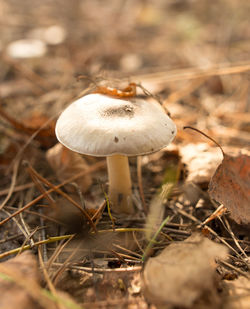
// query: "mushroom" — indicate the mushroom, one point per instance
point(101, 125)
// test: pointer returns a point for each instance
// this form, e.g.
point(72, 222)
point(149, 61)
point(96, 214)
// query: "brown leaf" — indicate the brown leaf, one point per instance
point(46, 136)
point(183, 272)
point(20, 286)
point(201, 160)
point(239, 296)
point(8, 152)
point(15, 270)
point(67, 163)
point(230, 186)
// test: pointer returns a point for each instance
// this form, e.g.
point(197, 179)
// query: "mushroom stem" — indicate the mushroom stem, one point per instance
point(120, 192)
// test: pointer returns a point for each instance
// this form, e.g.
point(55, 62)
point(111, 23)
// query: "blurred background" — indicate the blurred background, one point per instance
point(194, 53)
point(131, 35)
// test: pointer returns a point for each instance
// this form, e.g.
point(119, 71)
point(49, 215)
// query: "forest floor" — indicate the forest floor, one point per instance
point(188, 243)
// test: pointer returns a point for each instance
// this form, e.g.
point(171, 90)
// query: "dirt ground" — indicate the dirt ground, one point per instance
point(188, 243)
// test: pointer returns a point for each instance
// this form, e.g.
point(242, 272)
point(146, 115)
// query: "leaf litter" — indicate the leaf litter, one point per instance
point(200, 91)
point(67, 163)
point(230, 186)
point(183, 272)
point(19, 277)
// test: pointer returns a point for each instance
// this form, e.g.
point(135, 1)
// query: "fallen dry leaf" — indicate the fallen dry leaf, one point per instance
point(183, 272)
point(46, 136)
point(201, 160)
point(8, 152)
point(230, 186)
point(20, 286)
point(12, 283)
point(239, 294)
point(66, 164)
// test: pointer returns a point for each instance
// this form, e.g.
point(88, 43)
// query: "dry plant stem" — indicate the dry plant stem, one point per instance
point(217, 213)
point(102, 270)
point(83, 211)
point(18, 225)
point(134, 254)
point(47, 279)
point(59, 238)
point(192, 73)
point(17, 188)
point(13, 182)
point(224, 263)
point(57, 252)
point(41, 189)
point(229, 229)
point(120, 192)
point(27, 247)
point(221, 239)
point(60, 271)
point(91, 169)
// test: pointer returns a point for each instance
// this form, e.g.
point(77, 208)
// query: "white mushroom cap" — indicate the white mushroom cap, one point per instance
point(101, 125)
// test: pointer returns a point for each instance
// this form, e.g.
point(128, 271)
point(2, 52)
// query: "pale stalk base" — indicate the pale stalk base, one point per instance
point(120, 192)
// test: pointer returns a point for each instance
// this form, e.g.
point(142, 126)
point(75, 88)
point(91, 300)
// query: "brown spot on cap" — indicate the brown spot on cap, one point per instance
point(126, 110)
point(116, 139)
